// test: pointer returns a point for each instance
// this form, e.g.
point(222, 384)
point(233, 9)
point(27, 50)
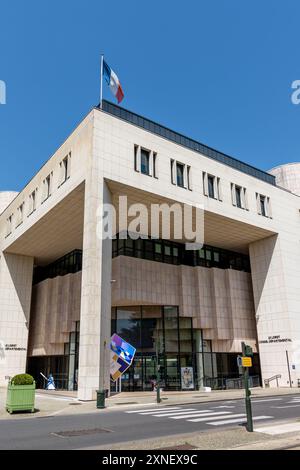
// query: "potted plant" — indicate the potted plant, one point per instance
point(20, 393)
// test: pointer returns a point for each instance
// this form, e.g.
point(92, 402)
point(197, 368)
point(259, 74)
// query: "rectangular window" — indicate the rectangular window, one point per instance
point(211, 186)
point(238, 197)
point(145, 162)
point(262, 202)
point(9, 222)
point(20, 214)
point(32, 202)
point(263, 205)
point(47, 187)
point(180, 174)
point(65, 166)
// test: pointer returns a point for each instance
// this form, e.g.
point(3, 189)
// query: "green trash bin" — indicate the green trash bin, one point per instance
point(101, 394)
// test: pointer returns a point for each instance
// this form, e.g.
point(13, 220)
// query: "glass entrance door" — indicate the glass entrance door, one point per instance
point(140, 375)
point(149, 372)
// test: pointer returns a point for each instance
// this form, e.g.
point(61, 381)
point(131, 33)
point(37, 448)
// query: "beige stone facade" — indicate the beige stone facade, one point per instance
point(58, 212)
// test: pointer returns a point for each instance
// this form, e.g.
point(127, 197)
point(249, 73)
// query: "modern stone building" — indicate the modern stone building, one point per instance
point(64, 289)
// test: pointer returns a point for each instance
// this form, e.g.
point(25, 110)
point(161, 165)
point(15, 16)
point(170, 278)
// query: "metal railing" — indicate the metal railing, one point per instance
point(230, 383)
point(274, 377)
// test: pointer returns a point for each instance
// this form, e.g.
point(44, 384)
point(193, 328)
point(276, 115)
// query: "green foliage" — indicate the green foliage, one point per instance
point(22, 379)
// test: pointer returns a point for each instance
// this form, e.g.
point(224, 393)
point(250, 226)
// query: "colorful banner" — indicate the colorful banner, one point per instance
point(121, 356)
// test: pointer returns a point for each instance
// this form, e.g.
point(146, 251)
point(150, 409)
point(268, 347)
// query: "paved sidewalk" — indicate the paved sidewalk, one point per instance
point(228, 439)
point(143, 398)
point(49, 403)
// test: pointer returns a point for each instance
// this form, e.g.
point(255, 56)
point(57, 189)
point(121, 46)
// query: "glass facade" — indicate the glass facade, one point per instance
point(160, 336)
point(166, 251)
point(70, 263)
point(163, 338)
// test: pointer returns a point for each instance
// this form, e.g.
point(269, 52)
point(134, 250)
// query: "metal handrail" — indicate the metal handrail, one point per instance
point(274, 377)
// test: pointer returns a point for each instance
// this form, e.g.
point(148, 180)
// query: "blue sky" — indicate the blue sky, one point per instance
point(218, 71)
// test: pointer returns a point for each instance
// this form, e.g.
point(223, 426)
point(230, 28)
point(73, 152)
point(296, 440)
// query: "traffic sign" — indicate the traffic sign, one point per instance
point(246, 361)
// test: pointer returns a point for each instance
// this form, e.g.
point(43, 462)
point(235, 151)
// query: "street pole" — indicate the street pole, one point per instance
point(288, 366)
point(248, 401)
point(249, 425)
point(158, 399)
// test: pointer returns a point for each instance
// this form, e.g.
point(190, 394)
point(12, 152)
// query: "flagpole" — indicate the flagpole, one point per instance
point(101, 80)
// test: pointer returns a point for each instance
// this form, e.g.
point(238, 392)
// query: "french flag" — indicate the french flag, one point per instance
point(113, 82)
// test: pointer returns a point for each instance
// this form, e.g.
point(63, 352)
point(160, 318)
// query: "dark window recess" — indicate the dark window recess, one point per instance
point(166, 251)
point(238, 196)
point(180, 174)
point(262, 201)
point(70, 263)
point(211, 183)
point(145, 162)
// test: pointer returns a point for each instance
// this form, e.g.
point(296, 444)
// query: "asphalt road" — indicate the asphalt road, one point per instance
point(111, 426)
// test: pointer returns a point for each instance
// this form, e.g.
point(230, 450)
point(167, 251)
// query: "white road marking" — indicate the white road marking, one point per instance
point(203, 415)
point(182, 412)
point(212, 418)
point(155, 409)
point(260, 400)
point(223, 406)
point(237, 420)
point(287, 406)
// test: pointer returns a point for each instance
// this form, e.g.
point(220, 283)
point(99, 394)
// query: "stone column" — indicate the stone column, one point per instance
point(15, 300)
point(95, 315)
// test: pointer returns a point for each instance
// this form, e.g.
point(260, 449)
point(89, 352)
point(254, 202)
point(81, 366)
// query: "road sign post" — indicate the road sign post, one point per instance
point(246, 361)
point(158, 399)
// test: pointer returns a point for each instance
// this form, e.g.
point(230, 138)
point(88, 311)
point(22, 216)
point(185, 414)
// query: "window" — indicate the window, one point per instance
point(211, 184)
point(262, 202)
point(65, 165)
point(166, 251)
point(239, 196)
point(180, 175)
point(263, 205)
point(20, 214)
point(9, 221)
point(145, 161)
point(32, 202)
point(47, 187)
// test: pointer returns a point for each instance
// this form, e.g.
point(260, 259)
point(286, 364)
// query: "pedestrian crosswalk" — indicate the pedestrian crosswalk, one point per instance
point(211, 416)
point(293, 403)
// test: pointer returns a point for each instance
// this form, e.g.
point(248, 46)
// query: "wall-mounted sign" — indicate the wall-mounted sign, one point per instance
point(187, 378)
point(275, 339)
point(121, 356)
